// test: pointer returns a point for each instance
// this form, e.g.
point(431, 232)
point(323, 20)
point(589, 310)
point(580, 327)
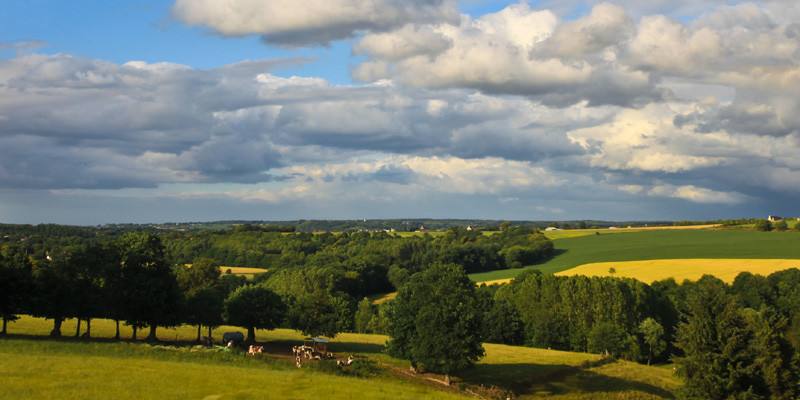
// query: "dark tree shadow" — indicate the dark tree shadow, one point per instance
point(527, 379)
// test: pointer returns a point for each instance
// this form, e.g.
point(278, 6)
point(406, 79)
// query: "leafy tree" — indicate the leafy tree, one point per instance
point(608, 338)
point(436, 321)
point(254, 307)
point(653, 335)
point(718, 362)
point(752, 291)
point(763, 225)
point(116, 290)
point(228, 283)
point(151, 293)
point(204, 306)
point(780, 226)
point(200, 286)
point(54, 281)
point(775, 359)
point(16, 283)
point(364, 315)
point(89, 263)
point(380, 320)
point(502, 324)
point(203, 273)
point(398, 276)
point(319, 313)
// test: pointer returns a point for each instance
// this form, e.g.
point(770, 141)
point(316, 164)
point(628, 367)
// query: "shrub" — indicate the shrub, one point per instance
point(763, 225)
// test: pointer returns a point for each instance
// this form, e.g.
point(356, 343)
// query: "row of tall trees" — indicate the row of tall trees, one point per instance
point(130, 281)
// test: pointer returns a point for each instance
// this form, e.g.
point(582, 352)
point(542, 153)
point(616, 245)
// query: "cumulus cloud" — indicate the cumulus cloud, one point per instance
point(695, 194)
point(515, 110)
point(518, 50)
point(309, 22)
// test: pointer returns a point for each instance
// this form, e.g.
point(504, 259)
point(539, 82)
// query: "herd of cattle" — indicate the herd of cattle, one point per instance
point(301, 353)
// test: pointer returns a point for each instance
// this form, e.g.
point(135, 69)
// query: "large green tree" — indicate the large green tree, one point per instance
point(653, 336)
point(151, 293)
point(718, 361)
point(89, 263)
point(55, 283)
point(254, 307)
point(364, 315)
point(16, 284)
point(775, 358)
point(608, 338)
point(202, 292)
point(320, 313)
point(436, 321)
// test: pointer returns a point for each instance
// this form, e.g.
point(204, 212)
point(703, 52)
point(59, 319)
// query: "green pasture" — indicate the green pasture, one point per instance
point(661, 244)
point(36, 367)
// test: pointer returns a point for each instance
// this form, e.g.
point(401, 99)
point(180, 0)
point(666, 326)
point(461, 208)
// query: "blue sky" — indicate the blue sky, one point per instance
point(145, 30)
point(146, 111)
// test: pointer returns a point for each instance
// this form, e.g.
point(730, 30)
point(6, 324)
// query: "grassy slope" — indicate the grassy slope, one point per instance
point(53, 369)
point(58, 370)
point(662, 244)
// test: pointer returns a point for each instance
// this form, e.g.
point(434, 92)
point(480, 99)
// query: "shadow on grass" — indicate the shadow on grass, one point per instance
point(537, 379)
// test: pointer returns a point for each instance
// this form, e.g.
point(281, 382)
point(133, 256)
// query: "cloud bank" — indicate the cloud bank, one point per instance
point(622, 111)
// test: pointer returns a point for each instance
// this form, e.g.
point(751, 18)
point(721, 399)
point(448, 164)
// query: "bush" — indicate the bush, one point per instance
point(763, 225)
point(362, 368)
point(780, 226)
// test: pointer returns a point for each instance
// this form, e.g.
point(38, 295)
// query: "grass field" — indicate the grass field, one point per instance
point(56, 370)
point(680, 269)
point(662, 244)
point(573, 233)
point(35, 368)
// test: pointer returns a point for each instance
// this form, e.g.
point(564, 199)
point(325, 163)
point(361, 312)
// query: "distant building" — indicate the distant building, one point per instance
point(422, 229)
point(469, 228)
point(774, 218)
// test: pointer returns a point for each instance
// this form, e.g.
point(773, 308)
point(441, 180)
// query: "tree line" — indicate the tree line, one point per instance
point(130, 281)
point(735, 341)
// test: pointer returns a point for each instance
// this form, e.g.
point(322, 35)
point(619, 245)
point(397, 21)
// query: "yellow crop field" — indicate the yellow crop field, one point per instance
point(242, 270)
point(496, 282)
point(681, 269)
point(383, 298)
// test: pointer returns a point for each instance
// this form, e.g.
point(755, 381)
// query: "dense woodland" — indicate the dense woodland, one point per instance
point(728, 341)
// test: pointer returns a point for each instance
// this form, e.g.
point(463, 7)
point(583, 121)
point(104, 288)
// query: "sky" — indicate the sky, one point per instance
point(200, 110)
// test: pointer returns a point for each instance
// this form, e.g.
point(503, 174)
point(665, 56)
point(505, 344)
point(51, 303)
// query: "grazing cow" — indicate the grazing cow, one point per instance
point(345, 363)
point(253, 350)
point(234, 337)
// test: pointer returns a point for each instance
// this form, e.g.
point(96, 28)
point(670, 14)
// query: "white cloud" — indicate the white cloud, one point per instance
point(696, 194)
point(310, 21)
point(518, 50)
